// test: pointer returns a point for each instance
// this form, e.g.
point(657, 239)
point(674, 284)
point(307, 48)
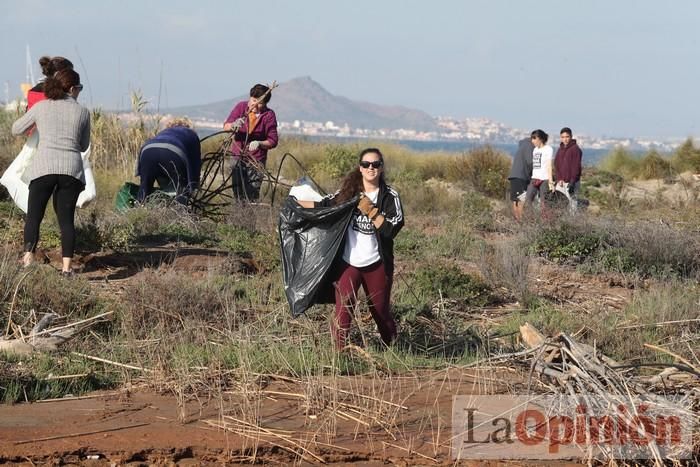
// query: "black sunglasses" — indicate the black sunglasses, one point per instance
point(374, 164)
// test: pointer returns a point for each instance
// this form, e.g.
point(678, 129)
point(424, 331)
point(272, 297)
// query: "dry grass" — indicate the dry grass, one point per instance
point(226, 335)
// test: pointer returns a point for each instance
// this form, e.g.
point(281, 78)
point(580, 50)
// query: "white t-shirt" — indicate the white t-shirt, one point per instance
point(542, 162)
point(361, 247)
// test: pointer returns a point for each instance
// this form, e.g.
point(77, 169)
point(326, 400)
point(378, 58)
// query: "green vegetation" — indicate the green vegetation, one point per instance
point(459, 258)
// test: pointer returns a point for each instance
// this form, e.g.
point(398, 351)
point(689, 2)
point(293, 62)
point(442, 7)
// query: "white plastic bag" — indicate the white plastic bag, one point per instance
point(304, 191)
point(13, 180)
point(89, 193)
point(18, 187)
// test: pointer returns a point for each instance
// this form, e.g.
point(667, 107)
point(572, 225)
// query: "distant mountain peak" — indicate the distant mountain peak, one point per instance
point(303, 98)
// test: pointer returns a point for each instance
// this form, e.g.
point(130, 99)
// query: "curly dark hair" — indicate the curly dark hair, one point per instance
point(57, 86)
point(352, 185)
point(52, 65)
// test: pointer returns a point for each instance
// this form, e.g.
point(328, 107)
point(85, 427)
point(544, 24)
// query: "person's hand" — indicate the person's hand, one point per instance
point(365, 205)
point(234, 125)
point(560, 183)
point(237, 123)
point(254, 145)
point(551, 186)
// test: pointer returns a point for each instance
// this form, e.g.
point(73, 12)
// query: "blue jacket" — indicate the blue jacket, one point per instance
point(187, 142)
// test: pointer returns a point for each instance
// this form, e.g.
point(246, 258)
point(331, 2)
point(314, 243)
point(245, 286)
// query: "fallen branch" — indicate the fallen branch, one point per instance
point(84, 433)
point(674, 355)
point(110, 362)
point(46, 340)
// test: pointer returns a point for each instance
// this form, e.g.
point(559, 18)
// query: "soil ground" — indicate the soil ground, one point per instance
point(401, 421)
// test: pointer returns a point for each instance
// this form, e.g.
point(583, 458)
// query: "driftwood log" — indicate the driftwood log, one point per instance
point(45, 339)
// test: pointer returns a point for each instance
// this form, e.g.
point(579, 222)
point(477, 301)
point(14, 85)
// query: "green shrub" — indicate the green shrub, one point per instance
point(686, 158)
point(621, 162)
point(484, 168)
point(411, 243)
point(653, 166)
point(44, 290)
point(477, 211)
point(337, 162)
point(598, 178)
point(434, 281)
point(656, 249)
point(617, 259)
point(565, 241)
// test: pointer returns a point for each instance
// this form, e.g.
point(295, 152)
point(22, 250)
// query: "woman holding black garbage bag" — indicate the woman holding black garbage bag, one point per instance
point(367, 257)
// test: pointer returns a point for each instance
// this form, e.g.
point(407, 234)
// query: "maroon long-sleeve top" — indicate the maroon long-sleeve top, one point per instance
point(265, 130)
point(567, 162)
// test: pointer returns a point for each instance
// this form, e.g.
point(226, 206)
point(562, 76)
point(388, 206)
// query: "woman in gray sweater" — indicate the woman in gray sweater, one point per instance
point(57, 167)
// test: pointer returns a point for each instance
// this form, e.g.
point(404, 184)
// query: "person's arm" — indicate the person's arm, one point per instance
point(24, 123)
point(325, 202)
point(579, 164)
point(194, 156)
point(549, 169)
point(85, 133)
point(271, 136)
point(390, 221)
point(387, 222)
point(237, 112)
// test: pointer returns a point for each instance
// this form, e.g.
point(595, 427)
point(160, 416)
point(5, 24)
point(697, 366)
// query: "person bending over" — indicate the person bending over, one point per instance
point(173, 159)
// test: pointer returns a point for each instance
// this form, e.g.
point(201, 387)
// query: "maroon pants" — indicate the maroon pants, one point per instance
point(377, 287)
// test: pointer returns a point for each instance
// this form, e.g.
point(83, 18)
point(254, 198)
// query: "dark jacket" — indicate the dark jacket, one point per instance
point(567, 162)
point(522, 161)
point(182, 141)
point(390, 207)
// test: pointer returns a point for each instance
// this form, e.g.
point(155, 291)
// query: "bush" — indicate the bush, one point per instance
point(477, 211)
point(620, 162)
point(656, 249)
point(566, 241)
point(484, 168)
point(44, 290)
point(598, 178)
point(674, 301)
point(616, 259)
point(508, 265)
point(437, 281)
point(411, 243)
point(686, 158)
point(172, 303)
point(653, 166)
point(337, 162)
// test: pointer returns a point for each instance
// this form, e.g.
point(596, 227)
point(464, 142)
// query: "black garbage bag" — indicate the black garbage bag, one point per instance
point(311, 241)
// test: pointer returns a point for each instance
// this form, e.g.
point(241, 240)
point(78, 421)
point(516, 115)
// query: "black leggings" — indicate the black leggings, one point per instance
point(65, 190)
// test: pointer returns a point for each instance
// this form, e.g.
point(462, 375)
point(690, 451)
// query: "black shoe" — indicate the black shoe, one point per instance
point(68, 274)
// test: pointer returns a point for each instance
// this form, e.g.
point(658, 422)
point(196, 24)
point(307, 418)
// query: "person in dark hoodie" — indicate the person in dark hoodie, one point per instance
point(367, 258)
point(173, 159)
point(520, 175)
point(567, 165)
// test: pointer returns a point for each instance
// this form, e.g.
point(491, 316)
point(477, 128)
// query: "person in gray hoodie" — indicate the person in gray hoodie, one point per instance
point(520, 175)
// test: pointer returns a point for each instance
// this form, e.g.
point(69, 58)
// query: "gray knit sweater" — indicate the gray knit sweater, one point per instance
point(64, 132)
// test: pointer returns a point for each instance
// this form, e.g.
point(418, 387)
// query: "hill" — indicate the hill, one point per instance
point(305, 99)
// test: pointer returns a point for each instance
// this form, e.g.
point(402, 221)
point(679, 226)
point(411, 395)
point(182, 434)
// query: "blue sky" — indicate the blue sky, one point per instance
point(627, 68)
